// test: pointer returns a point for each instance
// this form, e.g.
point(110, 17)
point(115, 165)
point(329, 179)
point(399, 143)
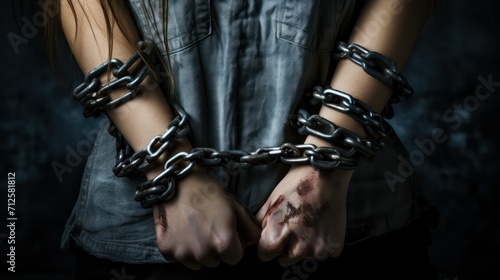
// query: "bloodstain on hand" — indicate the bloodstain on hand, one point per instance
point(305, 187)
point(291, 213)
point(310, 216)
point(276, 204)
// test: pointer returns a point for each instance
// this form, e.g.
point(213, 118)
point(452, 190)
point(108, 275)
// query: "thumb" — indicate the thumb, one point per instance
point(268, 208)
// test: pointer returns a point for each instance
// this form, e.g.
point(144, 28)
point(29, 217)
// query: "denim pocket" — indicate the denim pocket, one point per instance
point(309, 24)
point(189, 21)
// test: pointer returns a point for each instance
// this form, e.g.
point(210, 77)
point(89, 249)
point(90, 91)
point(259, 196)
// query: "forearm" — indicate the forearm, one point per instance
point(144, 116)
point(394, 38)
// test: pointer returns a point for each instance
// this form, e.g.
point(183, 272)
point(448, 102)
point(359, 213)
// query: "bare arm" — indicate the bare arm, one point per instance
point(141, 118)
point(194, 234)
point(395, 39)
point(305, 216)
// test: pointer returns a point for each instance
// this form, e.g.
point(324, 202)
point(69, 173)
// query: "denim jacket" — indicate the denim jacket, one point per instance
point(241, 69)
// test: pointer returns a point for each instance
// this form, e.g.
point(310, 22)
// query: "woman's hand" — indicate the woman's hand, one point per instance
point(305, 216)
point(203, 224)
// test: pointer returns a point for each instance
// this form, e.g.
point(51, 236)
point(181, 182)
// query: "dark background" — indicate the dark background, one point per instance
point(41, 124)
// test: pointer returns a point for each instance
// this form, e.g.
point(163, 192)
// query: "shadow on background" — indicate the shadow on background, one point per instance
point(42, 126)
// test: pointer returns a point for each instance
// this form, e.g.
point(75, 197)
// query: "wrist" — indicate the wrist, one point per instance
point(343, 120)
point(330, 183)
point(309, 171)
point(179, 145)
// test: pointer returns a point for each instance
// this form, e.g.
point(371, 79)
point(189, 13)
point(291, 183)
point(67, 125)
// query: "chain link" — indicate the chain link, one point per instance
point(163, 186)
point(344, 155)
point(143, 160)
point(95, 99)
point(374, 123)
point(338, 136)
point(94, 96)
point(379, 67)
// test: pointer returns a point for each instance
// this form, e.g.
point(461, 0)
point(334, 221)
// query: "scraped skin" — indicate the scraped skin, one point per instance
point(306, 216)
point(306, 186)
point(311, 219)
point(276, 204)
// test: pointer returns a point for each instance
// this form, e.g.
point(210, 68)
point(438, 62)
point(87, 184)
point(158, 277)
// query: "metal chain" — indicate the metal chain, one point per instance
point(94, 96)
point(374, 123)
point(144, 159)
point(163, 186)
point(345, 155)
point(95, 99)
point(379, 67)
point(338, 136)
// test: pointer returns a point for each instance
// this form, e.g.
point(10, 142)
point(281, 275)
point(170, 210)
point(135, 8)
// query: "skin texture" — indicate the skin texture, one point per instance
point(275, 205)
point(305, 187)
point(307, 223)
point(197, 217)
point(204, 228)
point(305, 215)
point(312, 218)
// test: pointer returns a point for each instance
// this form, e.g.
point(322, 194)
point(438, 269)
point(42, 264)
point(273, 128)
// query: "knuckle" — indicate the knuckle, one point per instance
point(202, 254)
point(181, 254)
point(273, 246)
point(297, 253)
point(289, 238)
point(164, 248)
point(223, 243)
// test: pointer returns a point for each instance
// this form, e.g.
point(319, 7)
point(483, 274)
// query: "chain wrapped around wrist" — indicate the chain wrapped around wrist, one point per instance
point(344, 153)
point(163, 186)
point(94, 95)
point(374, 124)
point(146, 158)
point(379, 67)
point(95, 99)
